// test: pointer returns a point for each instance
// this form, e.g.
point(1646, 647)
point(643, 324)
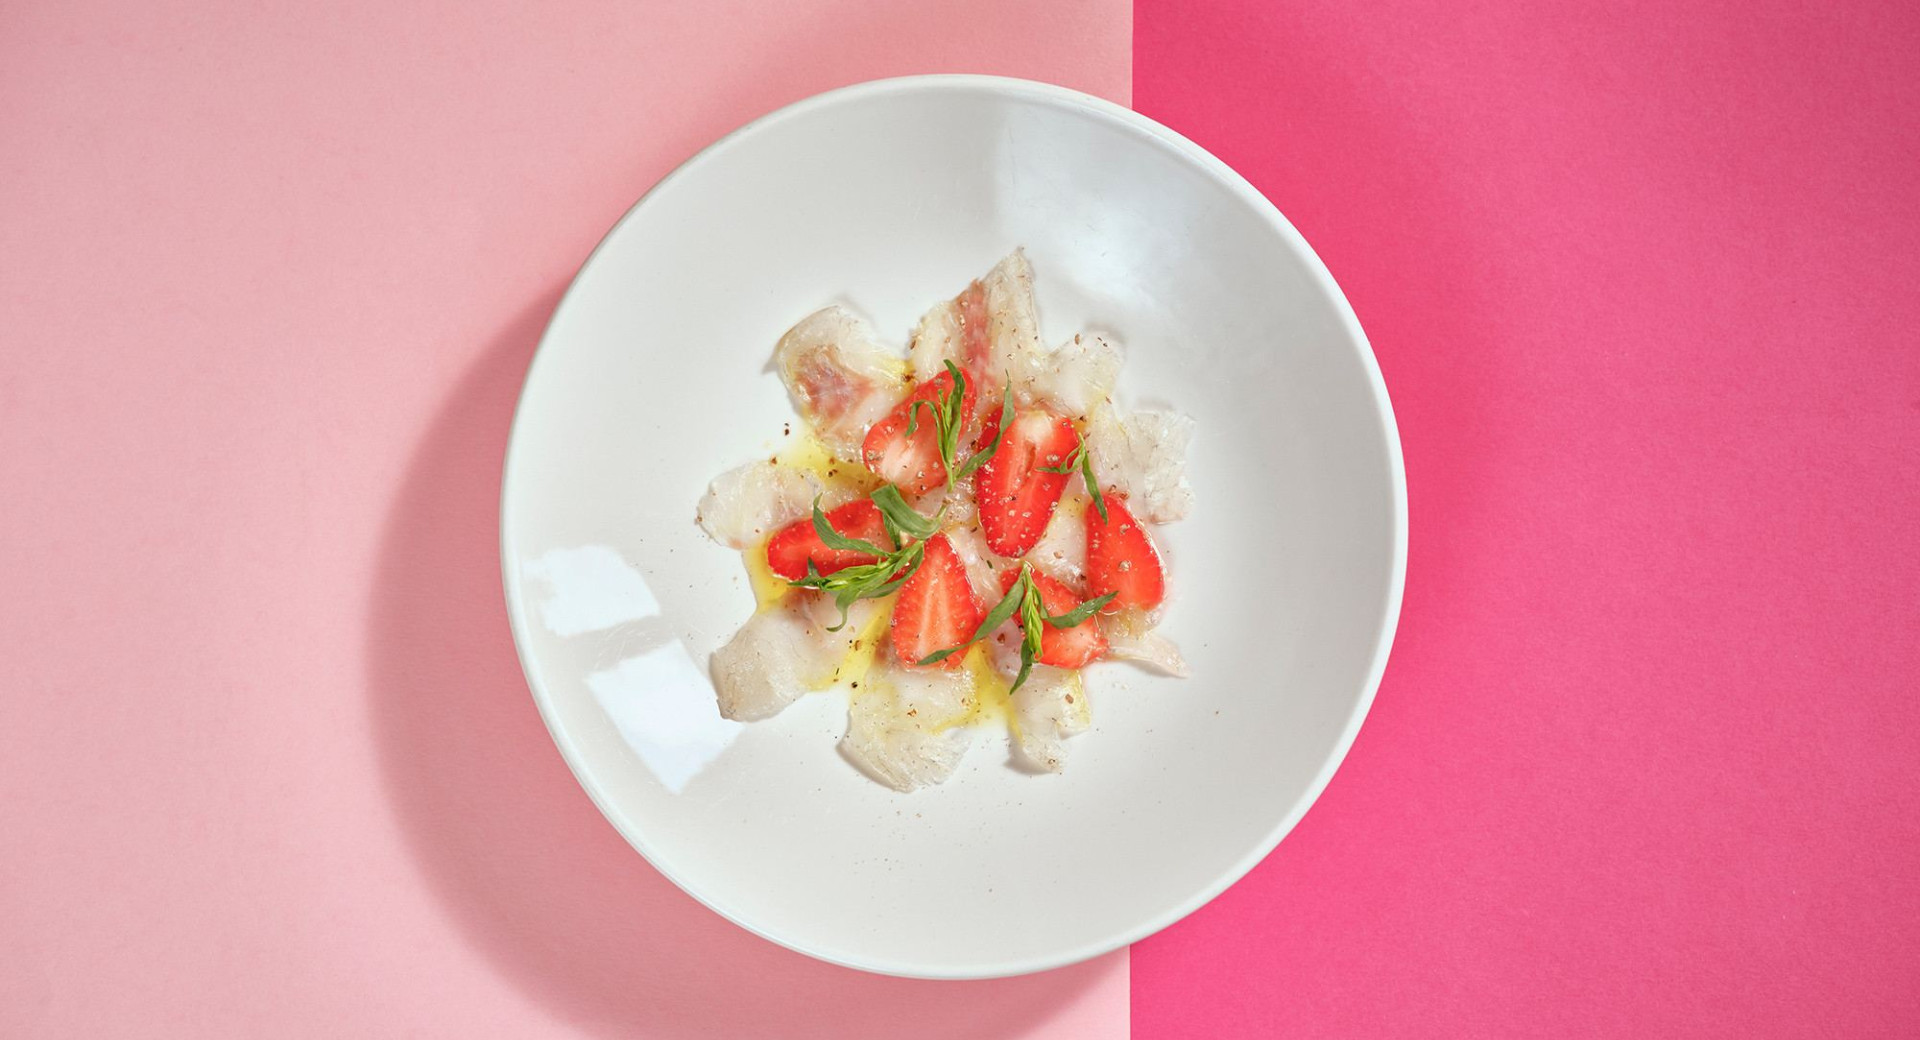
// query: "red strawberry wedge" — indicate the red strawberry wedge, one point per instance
point(1121, 558)
point(1074, 647)
point(793, 545)
point(1016, 496)
point(936, 610)
point(912, 462)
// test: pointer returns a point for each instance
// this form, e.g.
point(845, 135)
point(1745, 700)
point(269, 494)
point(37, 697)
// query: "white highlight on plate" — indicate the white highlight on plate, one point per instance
point(663, 705)
point(589, 588)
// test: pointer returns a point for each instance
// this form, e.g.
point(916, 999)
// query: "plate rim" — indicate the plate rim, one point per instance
point(1126, 118)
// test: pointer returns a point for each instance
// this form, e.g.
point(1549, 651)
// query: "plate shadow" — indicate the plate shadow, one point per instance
point(535, 878)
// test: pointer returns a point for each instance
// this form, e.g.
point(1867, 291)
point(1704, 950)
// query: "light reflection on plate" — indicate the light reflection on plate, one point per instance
point(589, 589)
point(663, 706)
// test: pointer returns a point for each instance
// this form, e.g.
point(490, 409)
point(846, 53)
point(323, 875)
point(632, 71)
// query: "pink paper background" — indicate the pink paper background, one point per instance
point(269, 277)
point(1644, 280)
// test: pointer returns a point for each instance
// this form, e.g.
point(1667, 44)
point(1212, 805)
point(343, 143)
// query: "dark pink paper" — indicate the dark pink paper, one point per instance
point(1643, 280)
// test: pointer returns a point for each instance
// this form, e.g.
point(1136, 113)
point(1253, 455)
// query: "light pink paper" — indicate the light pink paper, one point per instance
point(1644, 280)
point(271, 276)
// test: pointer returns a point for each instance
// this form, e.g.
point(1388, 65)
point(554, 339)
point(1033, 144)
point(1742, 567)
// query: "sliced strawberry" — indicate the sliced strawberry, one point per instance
point(912, 462)
point(793, 545)
point(1121, 558)
point(1016, 497)
point(936, 610)
point(989, 428)
point(1074, 647)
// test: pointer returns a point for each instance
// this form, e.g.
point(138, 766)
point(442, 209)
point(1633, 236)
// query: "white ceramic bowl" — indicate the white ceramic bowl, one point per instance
point(888, 196)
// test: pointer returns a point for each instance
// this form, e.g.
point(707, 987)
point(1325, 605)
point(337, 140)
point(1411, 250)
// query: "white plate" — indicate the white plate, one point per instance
point(889, 196)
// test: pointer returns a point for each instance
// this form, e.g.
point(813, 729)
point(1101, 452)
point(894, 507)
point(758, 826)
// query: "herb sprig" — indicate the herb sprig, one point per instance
point(899, 518)
point(948, 412)
point(861, 581)
point(1082, 460)
point(1023, 596)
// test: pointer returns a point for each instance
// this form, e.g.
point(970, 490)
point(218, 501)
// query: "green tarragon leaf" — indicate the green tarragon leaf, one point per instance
point(1081, 613)
point(861, 581)
point(836, 540)
point(1023, 597)
point(999, 434)
point(1081, 459)
point(995, 618)
point(900, 516)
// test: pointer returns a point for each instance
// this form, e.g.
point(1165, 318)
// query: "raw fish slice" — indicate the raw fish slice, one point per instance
point(1013, 322)
point(758, 672)
point(990, 330)
point(1131, 637)
point(904, 728)
point(1076, 378)
point(818, 608)
point(1003, 650)
point(748, 503)
point(1061, 551)
point(1143, 454)
point(983, 567)
point(1048, 709)
point(785, 651)
point(959, 503)
point(840, 378)
point(937, 339)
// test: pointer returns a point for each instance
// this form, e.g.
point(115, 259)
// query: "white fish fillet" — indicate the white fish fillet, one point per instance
point(780, 654)
point(1131, 637)
point(983, 566)
point(934, 341)
point(1143, 454)
point(758, 672)
point(1048, 709)
point(1061, 551)
point(1077, 377)
point(1070, 380)
point(1013, 321)
point(961, 508)
point(1003, 650)
point(841, 379)
point(902, 730)
point(1014, 351)
point(750, 502)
